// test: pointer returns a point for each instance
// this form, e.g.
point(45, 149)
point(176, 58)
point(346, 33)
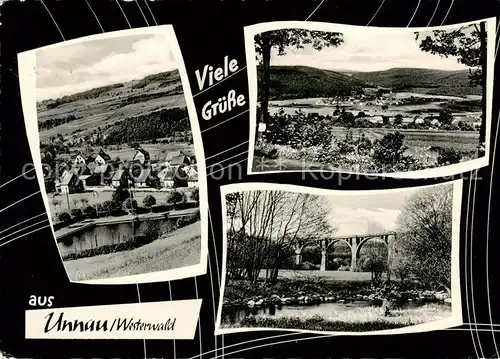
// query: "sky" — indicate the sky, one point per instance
point(364, 214)
point(369, 50)
point(68, 69)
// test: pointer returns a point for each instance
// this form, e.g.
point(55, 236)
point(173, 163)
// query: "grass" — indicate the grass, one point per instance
point(355, 320)
point(178, 249)
point(329, 275)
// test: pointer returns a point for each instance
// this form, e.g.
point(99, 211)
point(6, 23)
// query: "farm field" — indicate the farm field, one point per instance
point(111, 106)
point(178, 249)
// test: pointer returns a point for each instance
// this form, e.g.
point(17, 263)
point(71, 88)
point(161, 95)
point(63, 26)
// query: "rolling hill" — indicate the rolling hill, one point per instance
point(435, 82)
point(289, 82)
point(82, 113)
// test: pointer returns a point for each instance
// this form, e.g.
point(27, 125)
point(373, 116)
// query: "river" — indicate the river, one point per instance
point(234, 315)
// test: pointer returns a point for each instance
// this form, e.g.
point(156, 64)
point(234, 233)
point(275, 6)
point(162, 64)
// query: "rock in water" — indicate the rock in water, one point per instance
point(386, 307)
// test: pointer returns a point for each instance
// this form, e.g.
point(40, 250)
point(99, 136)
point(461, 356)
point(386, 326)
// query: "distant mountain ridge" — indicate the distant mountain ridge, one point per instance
point(288, 82)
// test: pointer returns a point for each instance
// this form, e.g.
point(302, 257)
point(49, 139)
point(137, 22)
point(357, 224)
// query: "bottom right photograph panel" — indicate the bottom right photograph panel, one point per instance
point(351, 262)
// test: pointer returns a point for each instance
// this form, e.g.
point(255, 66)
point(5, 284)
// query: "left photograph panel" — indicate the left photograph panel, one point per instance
point(118, 154)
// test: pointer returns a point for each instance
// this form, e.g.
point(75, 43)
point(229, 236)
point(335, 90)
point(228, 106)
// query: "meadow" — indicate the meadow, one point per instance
point(177, 249)
point(353, 320)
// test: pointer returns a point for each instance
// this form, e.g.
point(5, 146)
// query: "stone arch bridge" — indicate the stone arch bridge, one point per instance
point(355, 243)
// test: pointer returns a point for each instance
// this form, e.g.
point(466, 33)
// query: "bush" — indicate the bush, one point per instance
point(175, 197)
point(63, 217)
point(130, 205)
point(187, 220)
point(448, 156)
point(77, 213)
point(149, 201)
point(195, 194)
point(133, 243)
point(90, 211)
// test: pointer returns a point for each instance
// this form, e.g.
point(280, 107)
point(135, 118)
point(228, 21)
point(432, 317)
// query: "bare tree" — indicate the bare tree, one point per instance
point(264, 224)
point(423, 244)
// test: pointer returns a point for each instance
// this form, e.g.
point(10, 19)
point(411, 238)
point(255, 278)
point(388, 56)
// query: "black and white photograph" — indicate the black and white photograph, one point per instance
point(299, 258)
point(400, 101)
point(121, 155)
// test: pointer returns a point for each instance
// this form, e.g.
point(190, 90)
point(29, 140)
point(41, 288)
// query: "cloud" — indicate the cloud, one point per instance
point(352, 221)
point(369, 50)
point(78, 67)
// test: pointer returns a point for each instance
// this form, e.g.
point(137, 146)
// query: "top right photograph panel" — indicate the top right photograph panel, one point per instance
point(402, 102)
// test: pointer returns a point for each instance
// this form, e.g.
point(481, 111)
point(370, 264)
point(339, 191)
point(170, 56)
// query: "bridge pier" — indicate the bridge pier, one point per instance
point(298, 256)
point(323, 260)
point(354, 253)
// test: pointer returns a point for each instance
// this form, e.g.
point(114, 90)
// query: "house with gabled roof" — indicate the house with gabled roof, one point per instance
point(147, 178)
point(120, 178)
point(83, 159)
point(141, 156)
point(181, 160)
point(172, 177)
point(70, 183)
point(102, 158)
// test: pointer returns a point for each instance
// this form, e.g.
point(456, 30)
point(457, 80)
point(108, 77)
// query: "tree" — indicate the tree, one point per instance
point(90, 211)
point(264, 225)
point(281, 40)
point(423, 243)
point(398, 119)
point(130, 205)
point(445, 117)
point(149, 201)
point(175, 197)
point(389, 150)
point(119, 196)
point(63, 217)
point(195, 194)
point(468, 45)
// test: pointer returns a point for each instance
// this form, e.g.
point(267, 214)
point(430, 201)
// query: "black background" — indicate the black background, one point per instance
point(207, 31)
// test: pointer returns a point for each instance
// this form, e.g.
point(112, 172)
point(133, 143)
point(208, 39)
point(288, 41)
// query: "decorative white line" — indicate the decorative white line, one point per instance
point(22, 174)
point(434, 13)
point(144, 16)
point(23, 235)
point(144, 340)
point(26, 220)
point(23, 229)
point(171, 299)
point(471, 259)
point(317, 7)
point(13, 204)
point(123, 12)
point(376, 12)
point(448, 12)
point(229, 149)
point(221, 169)
point(488, 236)
point(218, 163)
point(220, 123)
point(221, 81)
point(414, 13)
point(90, 7)
point(147, 5)
point(213, 299)
point(199, 321)
point(53, 20)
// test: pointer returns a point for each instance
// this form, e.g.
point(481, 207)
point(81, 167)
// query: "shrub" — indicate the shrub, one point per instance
point(90, 211)
point(130, 204)
point(389, 150)
point(63, 217)
point(76, 213)
point(187, 220)
point(448, 156)
point(175, 197)
point(195, 194)
point(149, 201)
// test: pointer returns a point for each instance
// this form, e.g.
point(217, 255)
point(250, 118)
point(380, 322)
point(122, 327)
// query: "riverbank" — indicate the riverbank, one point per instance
point(177, 249)
point(316, 290)
point(355, 320)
